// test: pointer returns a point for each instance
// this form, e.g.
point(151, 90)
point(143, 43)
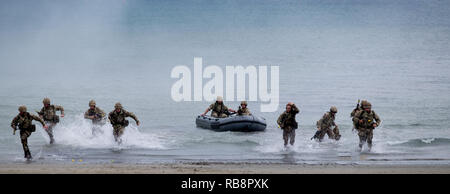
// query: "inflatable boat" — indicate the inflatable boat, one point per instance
point(232, 123)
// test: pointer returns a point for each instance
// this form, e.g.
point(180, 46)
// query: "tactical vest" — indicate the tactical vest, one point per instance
point(50, 114)
point(289, 120)
point(25, 122)
point(243, 111)
point(95, 113)
point(368, 120)
point(119, 119)
point(219, 109)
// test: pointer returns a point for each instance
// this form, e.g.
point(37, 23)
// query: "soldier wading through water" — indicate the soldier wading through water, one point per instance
point(118, 120)
point(96, 115)
point(365, 121)
point(48, 113)
point(24, 121)
point(288, 124)
point(325, 126)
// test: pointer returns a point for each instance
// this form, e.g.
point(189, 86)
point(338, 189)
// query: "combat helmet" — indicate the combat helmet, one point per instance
point(46, 101)
point(366, 104)
point(118, 106)
point(333, 109)
point(22, 108)
point(244, 102)
point(92, 103)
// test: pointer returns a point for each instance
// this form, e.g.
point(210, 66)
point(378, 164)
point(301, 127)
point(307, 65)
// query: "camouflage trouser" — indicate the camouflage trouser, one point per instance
point(118, 132)
point(217, 115)
point(24, 134)
point(332, 134)
point(365, 135)
point(96, 128)
point(50, 130)
point(289, 136)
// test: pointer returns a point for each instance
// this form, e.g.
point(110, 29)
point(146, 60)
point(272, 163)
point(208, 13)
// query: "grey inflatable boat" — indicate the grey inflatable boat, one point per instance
point(249, 123)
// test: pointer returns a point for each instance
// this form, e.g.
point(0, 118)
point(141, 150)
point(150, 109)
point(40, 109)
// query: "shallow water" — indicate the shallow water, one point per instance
point(393, 53)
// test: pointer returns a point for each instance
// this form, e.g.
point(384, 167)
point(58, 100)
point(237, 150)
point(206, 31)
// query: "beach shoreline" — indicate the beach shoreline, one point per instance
point(219, 168)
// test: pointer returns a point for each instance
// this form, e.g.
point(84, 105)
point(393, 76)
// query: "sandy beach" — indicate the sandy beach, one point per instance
point(207, 168)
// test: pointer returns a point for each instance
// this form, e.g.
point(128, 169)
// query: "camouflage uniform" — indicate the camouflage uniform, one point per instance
point(288, 124)
point(51, 119)
point(98, 119)
point(365, 129)
point(325, 124)
point(243, 111)
point(24, 121)
point(119, 122)
point(218, 110)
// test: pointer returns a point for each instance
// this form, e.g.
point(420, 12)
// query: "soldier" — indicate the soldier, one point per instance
point(48, 113)
point(325, 124)
point(288, 124)
point(117, 117)
point(365, 122)
point(243, 110)
point(24, 121)
point(219, 110)
point(96, 115)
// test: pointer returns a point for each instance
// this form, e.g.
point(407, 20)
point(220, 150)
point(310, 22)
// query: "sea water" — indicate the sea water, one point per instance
point(393, 53)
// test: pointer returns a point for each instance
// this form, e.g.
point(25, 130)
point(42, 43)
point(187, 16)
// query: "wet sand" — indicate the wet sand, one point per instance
point(208, 168)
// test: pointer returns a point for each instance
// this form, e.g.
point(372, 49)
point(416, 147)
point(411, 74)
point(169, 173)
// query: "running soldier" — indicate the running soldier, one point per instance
point(365, 122)
point(96, 115)
point(48, 113)
point(288, 124)
point(24, 121)
point(325, 125)
point(118, 120)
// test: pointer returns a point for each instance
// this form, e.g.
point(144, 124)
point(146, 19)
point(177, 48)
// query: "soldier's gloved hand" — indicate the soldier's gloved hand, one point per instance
point(375, 125)
point(137, 123)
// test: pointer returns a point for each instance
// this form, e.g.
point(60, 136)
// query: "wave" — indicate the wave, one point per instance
point(423, 142)
point(225, 140)
point(410, 125)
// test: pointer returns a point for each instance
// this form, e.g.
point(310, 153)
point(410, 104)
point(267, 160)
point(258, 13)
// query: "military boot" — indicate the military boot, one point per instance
point(28, 155)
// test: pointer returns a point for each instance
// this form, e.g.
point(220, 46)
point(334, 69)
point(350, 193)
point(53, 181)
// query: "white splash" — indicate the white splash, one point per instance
point(78, 133)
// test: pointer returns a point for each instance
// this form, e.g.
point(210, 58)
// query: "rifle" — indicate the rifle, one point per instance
point(357, 105)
